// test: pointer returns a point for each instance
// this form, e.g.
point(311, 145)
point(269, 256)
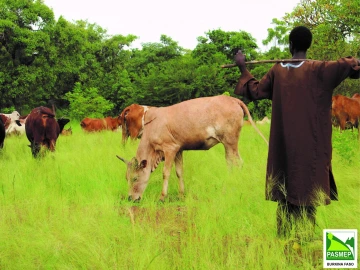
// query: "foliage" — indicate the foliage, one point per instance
point(24, 42)
point(260, 108)
point(346, 144)
point(43, 59)
point(87, 102)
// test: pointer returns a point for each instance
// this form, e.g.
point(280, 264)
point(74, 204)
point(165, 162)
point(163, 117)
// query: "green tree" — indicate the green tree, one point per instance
point(335, 25)
point(24, 44)
point(87, 102)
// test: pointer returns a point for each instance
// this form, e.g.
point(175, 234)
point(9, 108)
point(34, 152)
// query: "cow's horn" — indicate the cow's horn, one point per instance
point(122, 159)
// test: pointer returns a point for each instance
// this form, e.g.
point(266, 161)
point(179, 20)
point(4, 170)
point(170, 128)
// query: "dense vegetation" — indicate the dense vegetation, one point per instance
point(46, 61)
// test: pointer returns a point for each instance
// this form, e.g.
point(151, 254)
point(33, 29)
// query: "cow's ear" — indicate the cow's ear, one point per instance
point(143, 164)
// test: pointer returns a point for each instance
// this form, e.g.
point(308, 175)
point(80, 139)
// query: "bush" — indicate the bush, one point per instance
point(346, 144)
point(87, 103)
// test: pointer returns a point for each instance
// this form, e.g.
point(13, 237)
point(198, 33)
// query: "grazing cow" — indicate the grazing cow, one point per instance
point(196, 124)
point(42, 129)
point(3, 119)
point(345, 111)
point(96, 124)
point(132, 119)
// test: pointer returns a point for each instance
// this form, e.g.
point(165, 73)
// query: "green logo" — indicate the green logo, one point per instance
point(336, 249)
point(340, 248)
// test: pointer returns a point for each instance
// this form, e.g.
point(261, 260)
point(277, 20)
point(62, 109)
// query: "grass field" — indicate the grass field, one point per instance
point(68, 210)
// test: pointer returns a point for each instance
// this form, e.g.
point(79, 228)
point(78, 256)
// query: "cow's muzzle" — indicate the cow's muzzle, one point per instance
point(131, 199)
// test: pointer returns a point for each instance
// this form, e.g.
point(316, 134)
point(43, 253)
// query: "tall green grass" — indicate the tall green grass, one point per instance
point(68, 210)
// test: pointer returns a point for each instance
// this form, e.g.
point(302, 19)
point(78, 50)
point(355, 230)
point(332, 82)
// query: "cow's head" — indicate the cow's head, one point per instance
point(137, 176)
point(62, 122)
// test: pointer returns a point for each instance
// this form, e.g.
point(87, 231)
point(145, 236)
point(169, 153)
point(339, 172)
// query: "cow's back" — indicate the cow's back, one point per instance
point(93, 124)
point(194, 123)
point(112, 123)
point(41, 122)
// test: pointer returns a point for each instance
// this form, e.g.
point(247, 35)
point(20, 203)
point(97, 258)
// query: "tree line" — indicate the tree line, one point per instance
point(83, 71)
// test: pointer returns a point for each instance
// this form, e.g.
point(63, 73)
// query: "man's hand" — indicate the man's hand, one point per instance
point(239, 59)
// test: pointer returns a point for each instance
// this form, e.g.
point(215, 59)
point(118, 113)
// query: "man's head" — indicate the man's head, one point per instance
point(300, 39)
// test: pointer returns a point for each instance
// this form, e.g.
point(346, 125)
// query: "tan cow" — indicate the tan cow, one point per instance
point(132, 119)
point(196, 124)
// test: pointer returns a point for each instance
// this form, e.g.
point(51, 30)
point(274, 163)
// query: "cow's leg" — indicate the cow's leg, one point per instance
point(52, 145)
point(342, 121)
point(35, 149)
point(232, 156)
point(169, 159)
point(179, 172)
point(232, 153)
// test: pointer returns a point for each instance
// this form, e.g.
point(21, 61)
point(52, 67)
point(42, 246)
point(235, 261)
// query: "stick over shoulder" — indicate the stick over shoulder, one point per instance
point(267, 61)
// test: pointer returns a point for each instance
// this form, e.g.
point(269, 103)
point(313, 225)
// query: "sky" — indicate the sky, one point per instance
point(183, 21)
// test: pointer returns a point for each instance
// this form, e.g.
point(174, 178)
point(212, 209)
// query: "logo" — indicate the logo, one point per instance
point(340, 248)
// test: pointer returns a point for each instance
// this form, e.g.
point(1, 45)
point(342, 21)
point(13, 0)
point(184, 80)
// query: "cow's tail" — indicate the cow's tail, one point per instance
point(246, 110)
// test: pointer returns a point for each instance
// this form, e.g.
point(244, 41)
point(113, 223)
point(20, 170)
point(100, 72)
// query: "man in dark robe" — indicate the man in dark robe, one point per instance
point(299, 175)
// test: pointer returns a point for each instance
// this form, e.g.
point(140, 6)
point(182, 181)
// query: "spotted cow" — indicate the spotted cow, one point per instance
point(132, 118)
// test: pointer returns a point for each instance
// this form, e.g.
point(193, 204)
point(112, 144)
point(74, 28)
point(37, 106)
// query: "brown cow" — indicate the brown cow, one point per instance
point(3, 120)
point(132, 118)
point(345, 111)
point(96, 124)
point(196, 124)
point(42, 129)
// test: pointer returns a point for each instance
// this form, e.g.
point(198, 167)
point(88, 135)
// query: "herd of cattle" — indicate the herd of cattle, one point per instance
point(41, 127)
point(165, 132)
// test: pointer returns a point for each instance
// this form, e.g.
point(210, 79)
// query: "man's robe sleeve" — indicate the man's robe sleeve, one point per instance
point(252, 89)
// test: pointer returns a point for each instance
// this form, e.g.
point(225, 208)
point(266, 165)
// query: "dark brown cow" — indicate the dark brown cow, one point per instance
point(3, 119)
point(96, 124)
point(345, 111)
point(196, 124)
point(132, 118)
point(42, 129)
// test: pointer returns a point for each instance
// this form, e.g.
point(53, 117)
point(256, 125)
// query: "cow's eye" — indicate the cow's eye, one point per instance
point(135, 179)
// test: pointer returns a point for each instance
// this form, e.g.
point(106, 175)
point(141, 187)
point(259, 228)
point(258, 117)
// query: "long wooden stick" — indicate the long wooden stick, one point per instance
point(266, 61)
